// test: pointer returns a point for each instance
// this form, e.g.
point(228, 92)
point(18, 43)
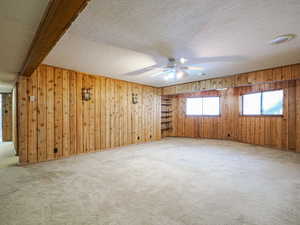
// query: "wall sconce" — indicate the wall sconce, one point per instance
point(134, 98)
point(86, 94)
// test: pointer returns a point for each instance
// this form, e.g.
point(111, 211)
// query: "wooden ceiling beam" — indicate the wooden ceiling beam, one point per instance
point(57, 19)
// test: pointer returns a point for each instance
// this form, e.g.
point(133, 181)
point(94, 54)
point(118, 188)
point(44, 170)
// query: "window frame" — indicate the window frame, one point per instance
point(261, 104)
point(196, 115)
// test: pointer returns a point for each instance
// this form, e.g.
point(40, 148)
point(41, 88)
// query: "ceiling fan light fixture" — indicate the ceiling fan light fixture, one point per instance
point(282, 38)
point(182, 60)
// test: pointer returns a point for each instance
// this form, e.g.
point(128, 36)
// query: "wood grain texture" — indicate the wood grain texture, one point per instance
point(282, 132)
point(285, 73)
point(59, 118)
point(7, 117)
point(58, 16)
point(22, 119)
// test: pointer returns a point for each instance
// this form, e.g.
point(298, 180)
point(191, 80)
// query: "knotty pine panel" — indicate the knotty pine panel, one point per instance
point(58, 118)
point(282, 132)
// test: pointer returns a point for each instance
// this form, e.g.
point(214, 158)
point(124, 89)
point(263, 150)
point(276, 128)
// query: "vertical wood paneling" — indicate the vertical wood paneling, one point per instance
point(72, 112)
point(130, 130)
point(92, 121)
point(7, 117)
point(58, 118)
point(112, 120)
point(291, 114)
point(79, 114)
point(66, 113)
point(97, 113)
point(22, 119)
point(58, 112)
point(41, 112)
point(117, 114)
point(86, 117)
point(50, 113)
point(297, 115)
point(32, 83)
point(103, 123)
point(274, 131)
point(108, 112)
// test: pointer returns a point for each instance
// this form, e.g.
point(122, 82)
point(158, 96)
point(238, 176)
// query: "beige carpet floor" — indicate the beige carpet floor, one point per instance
point(175, 181)
point(7, 155)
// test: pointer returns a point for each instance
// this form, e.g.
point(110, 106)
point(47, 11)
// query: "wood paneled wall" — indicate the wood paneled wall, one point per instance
point(281, 132)
point(58, 119)
point(284, 73)
point(7, 128)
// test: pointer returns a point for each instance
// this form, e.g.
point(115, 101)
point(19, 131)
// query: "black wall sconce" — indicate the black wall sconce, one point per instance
point(86, 94)
point(134, 98)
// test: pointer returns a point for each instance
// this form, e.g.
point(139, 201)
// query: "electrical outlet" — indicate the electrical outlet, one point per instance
point(55, 150)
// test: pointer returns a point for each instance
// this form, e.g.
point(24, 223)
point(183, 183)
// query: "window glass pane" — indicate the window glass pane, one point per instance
point(194, 106)
point(251, 104)
point(211, 106)
point(272, 102)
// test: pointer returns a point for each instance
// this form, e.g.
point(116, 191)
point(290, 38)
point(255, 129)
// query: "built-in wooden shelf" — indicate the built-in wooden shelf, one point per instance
point(166, 113)
point(168, 128)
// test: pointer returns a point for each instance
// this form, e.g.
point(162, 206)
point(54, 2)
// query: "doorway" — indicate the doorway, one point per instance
point(8, 156)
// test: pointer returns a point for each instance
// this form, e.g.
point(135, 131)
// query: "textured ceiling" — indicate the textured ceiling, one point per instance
point(18, 23)
point(113, 38)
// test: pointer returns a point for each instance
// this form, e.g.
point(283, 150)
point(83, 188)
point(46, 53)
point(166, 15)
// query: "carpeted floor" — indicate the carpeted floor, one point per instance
point(7, 155)
point(176, 181)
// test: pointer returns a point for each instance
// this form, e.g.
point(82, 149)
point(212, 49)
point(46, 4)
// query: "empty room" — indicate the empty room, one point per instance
point(148, 112)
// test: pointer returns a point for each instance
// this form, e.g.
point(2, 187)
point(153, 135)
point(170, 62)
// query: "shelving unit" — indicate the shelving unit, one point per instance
point(166, 114)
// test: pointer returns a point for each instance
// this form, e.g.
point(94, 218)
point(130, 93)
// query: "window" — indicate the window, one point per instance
point(263, 103)
point(194, 106)
point(272, 102)
point(205, 106)
point(251, 104)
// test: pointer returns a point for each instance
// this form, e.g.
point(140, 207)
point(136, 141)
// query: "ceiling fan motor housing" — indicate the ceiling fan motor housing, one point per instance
point(172, 63)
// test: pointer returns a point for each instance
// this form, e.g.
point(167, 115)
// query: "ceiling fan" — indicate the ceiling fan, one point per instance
point(178, 68)
point(175, 69)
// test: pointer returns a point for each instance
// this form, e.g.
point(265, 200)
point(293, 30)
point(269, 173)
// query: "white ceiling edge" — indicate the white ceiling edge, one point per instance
point(19, 21)
point(113, 38)
point(114, 59)
point(7, 81)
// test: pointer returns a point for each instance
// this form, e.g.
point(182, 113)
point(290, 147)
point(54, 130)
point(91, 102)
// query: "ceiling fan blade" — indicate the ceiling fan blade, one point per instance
point(192, 68)
point(161, 73)
point(195, 61)
point(141, 71)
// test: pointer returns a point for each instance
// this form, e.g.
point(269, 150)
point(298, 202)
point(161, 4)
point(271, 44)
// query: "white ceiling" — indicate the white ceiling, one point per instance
point(19, 21)
point(116, 37)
